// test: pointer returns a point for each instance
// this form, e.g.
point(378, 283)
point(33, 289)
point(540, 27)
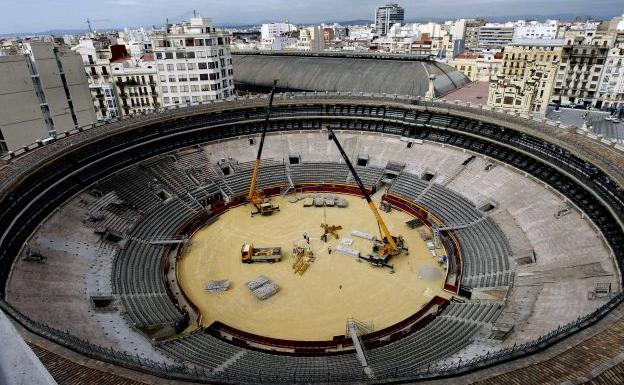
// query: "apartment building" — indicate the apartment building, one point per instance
point(43, 90)
point(386, 16)
point(271, 30)
point(495, 36)
point(194, 62)
point(471, 34)
point(583, 59)
point(136, 84)
point(536, 30)
point(96, 57)
point(611, 86)
point(526, 79)
point(478, 67)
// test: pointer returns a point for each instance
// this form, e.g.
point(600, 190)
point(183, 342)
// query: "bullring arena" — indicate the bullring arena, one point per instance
point(106, 257)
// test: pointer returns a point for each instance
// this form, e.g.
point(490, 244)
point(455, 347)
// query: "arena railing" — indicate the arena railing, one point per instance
point(431, 371)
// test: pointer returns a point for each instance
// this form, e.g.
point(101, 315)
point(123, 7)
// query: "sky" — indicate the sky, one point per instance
point(17, 16)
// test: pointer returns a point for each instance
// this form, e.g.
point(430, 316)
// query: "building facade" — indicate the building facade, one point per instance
point(271, 30)
point(471, 34)
point(194, 63)
point(526, 79)
point(387, 16)
point(611, 87)
point(536, 30)
point(136, 84)
point(96, 56)
point(583, 59)
point(43, 91)
point(495, 36)
point(478, 67)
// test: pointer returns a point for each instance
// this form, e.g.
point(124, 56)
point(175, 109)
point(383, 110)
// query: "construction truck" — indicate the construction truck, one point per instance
point(389, 245)
point(250, 254)
point(255, 196)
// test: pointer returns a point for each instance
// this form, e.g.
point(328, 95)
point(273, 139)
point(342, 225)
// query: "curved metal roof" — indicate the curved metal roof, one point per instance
point(346, 73)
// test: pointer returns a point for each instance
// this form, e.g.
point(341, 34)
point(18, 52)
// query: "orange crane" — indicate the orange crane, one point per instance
point(390, 245)
point(255, 196)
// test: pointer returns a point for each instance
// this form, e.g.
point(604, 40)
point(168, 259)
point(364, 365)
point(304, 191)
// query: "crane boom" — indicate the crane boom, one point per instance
point(382, 225)
point(253, 195)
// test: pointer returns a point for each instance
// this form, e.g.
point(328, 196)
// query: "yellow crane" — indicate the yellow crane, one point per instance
point(389, 245)
point(255, 196)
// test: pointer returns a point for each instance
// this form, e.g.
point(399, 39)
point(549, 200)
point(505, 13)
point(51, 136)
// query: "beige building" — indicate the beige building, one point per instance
point(478, 67)
point(43, 90)
point(136, 84)
point(527, 76)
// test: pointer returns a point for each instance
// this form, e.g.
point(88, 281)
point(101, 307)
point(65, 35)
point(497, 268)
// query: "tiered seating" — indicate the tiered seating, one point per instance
point(445, 335)
point(251, 366)
point(164, 170)
point(451, 207)
point(369, 175)
point(319, 172)
point(408, 186)
point(257, 366)
point(485, 249)
point(486, 255)
point(195, 163)
point(271, 174)
point(138, 272)
point(133, 187)
point(200, 349)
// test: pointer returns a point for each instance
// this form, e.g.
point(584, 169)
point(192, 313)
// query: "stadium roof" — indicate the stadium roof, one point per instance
point(402, 75)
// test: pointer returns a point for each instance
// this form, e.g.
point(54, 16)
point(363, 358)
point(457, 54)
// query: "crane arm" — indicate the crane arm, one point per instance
point(371, 204)
point(254, 176)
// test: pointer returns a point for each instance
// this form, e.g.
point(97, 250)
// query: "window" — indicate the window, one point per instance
point(174, 89)
point(175, 100)
point(196, 99)
point(166, 99)
point(194, 88)
point(170, 67)
point(190, 55)
point(181, 78)
point(203, 76)
point(161, 67)
point(163, 78)
point(184, 88)
point(180, 55)
point(190, 66)
point(164, 89)
point(193, 77)
point(172, 79)
point(168, 55)
point(159, 55)
point(200, 54)
point(202, 66)
point(181, 66)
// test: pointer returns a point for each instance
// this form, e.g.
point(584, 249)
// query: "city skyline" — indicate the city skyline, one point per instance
point(71, 14)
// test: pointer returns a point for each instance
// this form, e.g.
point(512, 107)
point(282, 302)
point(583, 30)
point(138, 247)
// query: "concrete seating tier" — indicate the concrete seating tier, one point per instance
point(319, 172)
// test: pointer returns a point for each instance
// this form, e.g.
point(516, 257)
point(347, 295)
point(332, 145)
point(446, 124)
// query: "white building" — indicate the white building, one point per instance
point(136, 84)
point(96, 56)
point(271, 30)
point(611, 86)
point(311, 39)
point(495, 35)
point(194, 62)
point(536, 30)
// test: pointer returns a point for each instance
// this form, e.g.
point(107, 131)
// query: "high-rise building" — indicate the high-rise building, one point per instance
point(536, 30)
point(43, 90)
point(194, 62)
point(387, 16)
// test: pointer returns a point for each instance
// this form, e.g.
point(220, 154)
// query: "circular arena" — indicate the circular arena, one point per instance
point(123, 245)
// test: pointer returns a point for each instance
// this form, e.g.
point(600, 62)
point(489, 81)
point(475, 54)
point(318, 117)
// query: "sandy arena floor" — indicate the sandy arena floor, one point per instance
point(315, 305)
